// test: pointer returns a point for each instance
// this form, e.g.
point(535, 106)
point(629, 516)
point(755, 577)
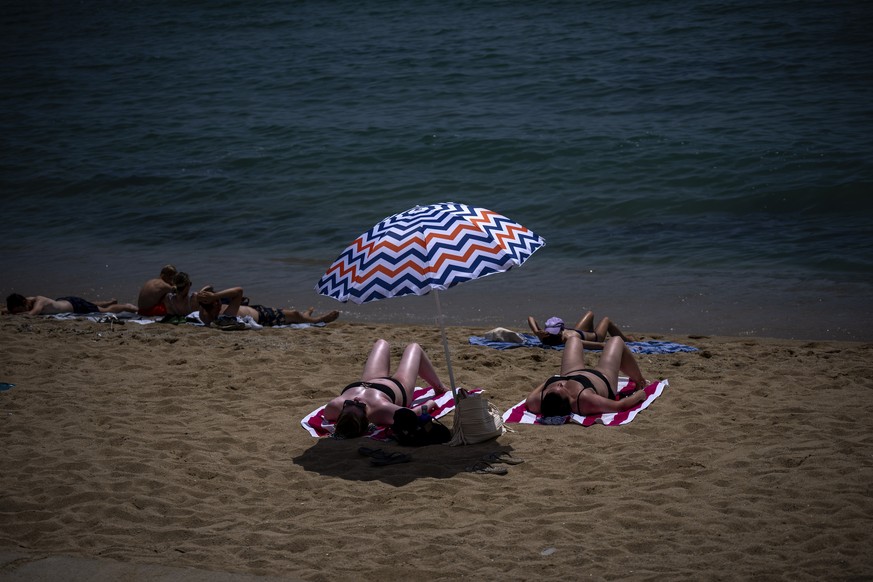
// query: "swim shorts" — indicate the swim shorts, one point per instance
point(80, 305)
point(158, 310)
point(269, 317)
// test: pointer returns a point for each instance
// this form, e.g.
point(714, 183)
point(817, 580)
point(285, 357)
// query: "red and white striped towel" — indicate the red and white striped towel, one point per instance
point(520, 414)
point(317, 426)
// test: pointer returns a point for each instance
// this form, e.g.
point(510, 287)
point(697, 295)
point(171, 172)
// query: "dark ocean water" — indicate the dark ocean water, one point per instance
point(694, 168)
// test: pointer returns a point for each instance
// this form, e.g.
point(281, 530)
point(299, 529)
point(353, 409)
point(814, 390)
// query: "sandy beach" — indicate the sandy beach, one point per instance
point(181, 446)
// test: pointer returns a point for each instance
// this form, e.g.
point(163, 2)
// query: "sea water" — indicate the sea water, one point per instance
point(701, 168)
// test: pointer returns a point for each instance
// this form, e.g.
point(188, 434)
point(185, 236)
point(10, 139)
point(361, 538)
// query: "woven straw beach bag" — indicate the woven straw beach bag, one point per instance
point(476, 420)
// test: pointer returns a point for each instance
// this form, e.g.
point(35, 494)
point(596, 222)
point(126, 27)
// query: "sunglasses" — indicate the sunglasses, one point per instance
point(360, 405)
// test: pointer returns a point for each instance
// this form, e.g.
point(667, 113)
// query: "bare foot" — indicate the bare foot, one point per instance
point(294, 316)
point(327, 317)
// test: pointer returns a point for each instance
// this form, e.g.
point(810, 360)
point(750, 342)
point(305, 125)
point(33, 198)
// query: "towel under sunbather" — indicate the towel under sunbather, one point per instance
point(380, 393)
point(582, 390)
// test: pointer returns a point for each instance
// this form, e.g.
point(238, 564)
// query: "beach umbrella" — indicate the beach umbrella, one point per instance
point(424, 249)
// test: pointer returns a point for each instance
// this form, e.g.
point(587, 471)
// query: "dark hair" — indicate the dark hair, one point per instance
point(181, 280)
point(555, 405)
point(552, 339)
point(350, 425)
point(15, 301)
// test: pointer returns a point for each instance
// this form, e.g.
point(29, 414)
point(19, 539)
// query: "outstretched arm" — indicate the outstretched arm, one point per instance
point(591, 403)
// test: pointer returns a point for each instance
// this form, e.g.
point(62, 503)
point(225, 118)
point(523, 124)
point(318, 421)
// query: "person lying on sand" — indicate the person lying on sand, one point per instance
point(211, 306)
point(584, 390)
point(555, 333)
point(40, 305)
point(379, 393)
point(151, 296)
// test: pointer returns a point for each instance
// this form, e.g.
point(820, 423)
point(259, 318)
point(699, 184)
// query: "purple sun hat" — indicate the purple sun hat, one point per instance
point(554, 325)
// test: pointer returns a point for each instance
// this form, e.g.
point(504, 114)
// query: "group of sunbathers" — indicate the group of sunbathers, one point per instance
point(379, 394)
point(170, 294)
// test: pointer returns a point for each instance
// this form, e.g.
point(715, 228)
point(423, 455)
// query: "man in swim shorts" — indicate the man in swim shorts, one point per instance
point(212, 306)
point(40, 305)
point(151, 297)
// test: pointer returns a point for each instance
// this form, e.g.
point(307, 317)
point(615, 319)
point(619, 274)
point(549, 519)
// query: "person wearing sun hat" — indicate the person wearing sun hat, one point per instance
point(555, 333)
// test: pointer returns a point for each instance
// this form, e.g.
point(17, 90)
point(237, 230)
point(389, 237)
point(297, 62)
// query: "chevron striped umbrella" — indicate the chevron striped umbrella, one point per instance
point(427, 248)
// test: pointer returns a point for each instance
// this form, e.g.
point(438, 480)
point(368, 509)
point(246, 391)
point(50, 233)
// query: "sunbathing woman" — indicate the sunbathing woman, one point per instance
point(555, 333)
point(380, 393)
point(584, 390)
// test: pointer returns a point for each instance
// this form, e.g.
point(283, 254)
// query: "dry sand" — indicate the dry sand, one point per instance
point(182, 446)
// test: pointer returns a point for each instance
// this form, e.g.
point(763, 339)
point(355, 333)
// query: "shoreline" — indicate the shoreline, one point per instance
point(711, 306)
point(181, 446)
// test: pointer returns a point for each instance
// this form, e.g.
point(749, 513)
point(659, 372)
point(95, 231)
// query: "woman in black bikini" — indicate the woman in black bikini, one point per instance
point(379, 393)
point(555, 333)
point(584, 390)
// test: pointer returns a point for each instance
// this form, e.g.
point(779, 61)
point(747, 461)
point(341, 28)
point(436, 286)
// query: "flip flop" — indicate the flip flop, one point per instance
point(502, 457)
point(390, 459)
point(486, 469)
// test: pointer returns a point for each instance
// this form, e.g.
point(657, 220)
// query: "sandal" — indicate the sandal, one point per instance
point(390, 459)
point(502, 457)
point(485, 468)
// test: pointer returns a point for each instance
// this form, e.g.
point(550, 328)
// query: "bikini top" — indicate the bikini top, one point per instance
point(585, 381)
point(381, 388)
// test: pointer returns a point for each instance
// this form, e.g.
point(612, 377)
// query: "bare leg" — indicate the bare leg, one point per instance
point(378, 362)
point(294, 316)
point(586, 323)
point(106, 303)
point(415, 364)
point(574, 355)
point(589, 343)
point(606, 326)
point(585, 329)
point(616, 358)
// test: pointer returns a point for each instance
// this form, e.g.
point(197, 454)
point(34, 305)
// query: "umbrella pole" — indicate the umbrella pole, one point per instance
point(436, 295)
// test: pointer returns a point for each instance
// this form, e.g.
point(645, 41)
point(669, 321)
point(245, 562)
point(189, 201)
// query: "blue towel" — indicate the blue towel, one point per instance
point(531, 341)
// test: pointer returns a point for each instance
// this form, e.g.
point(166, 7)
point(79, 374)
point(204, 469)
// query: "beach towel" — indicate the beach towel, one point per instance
point(531, 341)
point(97, 317)
point(520, 414)
point(192, 318)
point(250, 323)
point(317, 426)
